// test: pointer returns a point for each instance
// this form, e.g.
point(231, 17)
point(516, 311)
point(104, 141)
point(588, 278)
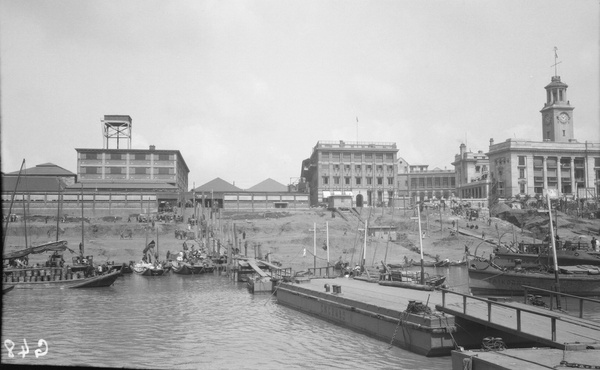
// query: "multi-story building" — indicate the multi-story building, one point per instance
point(418, 182)
point(364, 170)
point(132, 167)
point(559, 162)
point(472, 170)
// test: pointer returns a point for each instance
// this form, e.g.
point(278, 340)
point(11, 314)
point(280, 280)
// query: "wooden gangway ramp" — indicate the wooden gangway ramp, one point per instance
point(258, 270)
point(549, 328)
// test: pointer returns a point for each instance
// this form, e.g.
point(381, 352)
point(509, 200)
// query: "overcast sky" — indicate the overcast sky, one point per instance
point(245, 89)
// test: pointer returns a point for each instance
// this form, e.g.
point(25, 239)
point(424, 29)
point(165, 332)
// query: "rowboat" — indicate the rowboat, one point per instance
point(8, 288)
point(148, 269)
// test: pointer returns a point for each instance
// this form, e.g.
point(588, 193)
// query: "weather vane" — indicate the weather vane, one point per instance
point(555, 62)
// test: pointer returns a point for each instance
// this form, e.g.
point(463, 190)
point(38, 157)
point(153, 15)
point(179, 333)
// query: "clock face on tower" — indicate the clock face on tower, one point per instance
point(563, 117)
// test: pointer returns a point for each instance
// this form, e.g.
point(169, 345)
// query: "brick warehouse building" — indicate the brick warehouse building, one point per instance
point(163, 172)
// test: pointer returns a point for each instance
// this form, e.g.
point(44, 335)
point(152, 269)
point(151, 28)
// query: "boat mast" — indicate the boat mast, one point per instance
point(11, 203)
point(315, 246)
point(557, 281)
point(147, 219)
point(58, 205)
point(25, 219)
point(421, 244)
point(327, 245)
point(363, 260)
point(82, 246)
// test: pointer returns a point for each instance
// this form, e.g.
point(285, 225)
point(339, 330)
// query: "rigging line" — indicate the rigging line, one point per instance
point(321, 258)
point(456, 346)
point(355, 240)
point(290, 261)
point(400, 320)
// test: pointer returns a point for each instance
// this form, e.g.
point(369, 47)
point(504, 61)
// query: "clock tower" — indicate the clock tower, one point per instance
point(557, 114)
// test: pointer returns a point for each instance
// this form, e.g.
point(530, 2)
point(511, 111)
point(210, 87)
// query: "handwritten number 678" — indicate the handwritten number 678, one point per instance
point(10, 345)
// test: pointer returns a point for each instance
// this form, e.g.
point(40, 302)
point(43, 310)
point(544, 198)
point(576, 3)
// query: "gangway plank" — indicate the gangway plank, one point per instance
point(271, 265)
point(258, 270)
point(550, 328)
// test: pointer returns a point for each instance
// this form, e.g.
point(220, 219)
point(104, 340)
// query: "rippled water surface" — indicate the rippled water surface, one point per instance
point(201, 321)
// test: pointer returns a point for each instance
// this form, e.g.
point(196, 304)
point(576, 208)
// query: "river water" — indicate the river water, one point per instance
point(183, 322)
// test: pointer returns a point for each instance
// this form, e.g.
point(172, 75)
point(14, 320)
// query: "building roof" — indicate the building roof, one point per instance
point(44, 169)
point(217, 185)
point(123, 186)
point(269, 185)
point(31, 184)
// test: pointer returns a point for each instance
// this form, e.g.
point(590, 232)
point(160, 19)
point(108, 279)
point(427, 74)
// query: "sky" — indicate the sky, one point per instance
point(245, 89)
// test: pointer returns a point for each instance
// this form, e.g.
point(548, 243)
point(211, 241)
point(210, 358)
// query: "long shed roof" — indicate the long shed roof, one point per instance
point(30, 184)
point(269, 185)
point(44, 169)
point(217, 185)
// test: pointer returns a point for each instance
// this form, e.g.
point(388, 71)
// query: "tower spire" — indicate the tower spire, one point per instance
point(555, 62)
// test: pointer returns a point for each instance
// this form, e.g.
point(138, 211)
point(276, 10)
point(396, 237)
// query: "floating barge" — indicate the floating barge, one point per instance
point(374, 310)
point(531, 358)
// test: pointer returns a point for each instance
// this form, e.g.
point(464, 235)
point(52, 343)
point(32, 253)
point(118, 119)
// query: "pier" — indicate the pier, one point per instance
point(456, 320)
point(543, 327)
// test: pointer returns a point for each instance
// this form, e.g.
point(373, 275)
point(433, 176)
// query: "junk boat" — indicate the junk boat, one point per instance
point(488, 278)
point(54, 274)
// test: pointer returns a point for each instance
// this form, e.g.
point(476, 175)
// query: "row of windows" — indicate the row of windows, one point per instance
point(356, 157)
point(432, 182)
point(132, 170)
point(123, 156)
point(358, 168)
point(552, 162)
point(357, 180)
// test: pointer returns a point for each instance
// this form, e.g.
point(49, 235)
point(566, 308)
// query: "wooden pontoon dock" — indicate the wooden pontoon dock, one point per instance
point(457, 320)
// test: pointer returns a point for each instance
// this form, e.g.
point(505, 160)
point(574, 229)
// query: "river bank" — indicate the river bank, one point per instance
point(288, 237)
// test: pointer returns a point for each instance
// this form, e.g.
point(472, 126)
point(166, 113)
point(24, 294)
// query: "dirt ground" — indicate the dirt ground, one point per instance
point(289, 238)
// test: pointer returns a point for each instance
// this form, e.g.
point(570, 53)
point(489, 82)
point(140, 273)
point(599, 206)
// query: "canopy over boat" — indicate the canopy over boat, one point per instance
point(58, 246)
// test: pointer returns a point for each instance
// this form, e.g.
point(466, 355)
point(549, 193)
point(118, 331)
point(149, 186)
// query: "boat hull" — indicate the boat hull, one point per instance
point(54, 279)
point(184, 268)
point(407, 285)
point(492, 281)
point(564, 258)
point(148, 271)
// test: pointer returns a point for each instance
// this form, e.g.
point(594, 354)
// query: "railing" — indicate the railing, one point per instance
point(560, 295)
point(284, 272)
point(518, 310)
point(322, 271)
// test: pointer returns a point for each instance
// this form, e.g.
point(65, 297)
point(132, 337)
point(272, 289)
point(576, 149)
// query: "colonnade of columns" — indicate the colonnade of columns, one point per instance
point(559, 172)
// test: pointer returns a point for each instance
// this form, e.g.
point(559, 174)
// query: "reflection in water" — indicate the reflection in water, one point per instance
point(185, 322)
